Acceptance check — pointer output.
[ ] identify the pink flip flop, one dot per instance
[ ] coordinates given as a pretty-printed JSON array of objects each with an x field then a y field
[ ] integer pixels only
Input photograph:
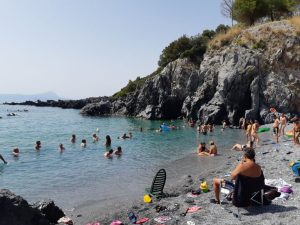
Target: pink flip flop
[
  {"x": 193, "y": 209},
  {"x": 143, "y": 220}
]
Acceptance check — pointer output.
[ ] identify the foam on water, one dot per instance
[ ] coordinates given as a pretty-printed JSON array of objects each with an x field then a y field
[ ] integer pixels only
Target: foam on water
[{"x": 80, "y": 175}]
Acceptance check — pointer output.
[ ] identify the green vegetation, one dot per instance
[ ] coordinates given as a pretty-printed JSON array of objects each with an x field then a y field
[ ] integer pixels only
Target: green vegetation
[
  {"x": 192, "y": 48},
  {"x": 249, "y": 11},
  {"x": 244, "y": 12}
]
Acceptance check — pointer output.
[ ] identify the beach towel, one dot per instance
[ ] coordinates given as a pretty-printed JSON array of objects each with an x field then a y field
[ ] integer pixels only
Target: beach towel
[
  {"x": 279, "y": 183},
  {"x": 143, "y": 220},
  {"x": 65, "y": 220}
]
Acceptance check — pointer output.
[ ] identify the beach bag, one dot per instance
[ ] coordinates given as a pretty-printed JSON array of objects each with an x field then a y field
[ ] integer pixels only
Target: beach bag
[{"x": 295, "y": 166}]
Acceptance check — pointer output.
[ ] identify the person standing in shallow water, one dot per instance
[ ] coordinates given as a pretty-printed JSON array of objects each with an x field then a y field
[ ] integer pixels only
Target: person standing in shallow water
[
  {"x": 254, "y": 134},
  {"x": 107, "y": 141},
  {"x": 73, "y": 138}
]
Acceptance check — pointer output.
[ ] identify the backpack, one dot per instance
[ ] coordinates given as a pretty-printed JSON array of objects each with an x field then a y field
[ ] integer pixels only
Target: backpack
[{"x": 296, "y": 168}]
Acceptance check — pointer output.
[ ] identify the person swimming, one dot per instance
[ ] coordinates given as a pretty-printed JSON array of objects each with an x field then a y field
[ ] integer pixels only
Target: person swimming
[
  {"x": 119, "y": 151},
  {"x": 16, "y": 152},
  {"x": 1, "y": 157},
  {"x": 38, "y": 145},
  {"x": 73, "y": 138},
  {"x": 83, "y": 143},
  {"x": 124, "y": 136},
  {"x": 95, "y": 138},
  {"x": 61, "y": 147},
  {"x": 109, "y": 154}
]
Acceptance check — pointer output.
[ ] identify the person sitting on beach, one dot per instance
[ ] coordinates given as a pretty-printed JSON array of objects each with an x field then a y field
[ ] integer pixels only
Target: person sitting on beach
[
  {"x": 254, "y": 134},
  {"x": 1, "y": 157},
  {"x": 15, "y": 152},
  {"x": 239, "y": 147},
  {"x": 83, "y": 143},
  {"x": 107, "y": 141},
  {"x": 73, "y": 138},
  {"x": 283, "y": 123},
  {"x": 202, "y": 149},
  {"x": 118, "y": 152},
  {"x": 95, "y": 138},
  {"x": 212, "y": 150},
  {"x": 296, "y": 133},
  {"x": 247, "y": 167},
  {"x": 38, "y": 145},
  {"x": 61, "y": 147},
  {"x": 109, "y": 154}
]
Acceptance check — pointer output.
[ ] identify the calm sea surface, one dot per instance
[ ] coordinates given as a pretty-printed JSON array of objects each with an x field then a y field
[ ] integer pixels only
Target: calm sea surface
[{"x": 81, "y": 175}]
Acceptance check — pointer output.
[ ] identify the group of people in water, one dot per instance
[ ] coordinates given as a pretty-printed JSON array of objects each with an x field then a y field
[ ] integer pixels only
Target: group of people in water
[{"x": 109, "y": 151}]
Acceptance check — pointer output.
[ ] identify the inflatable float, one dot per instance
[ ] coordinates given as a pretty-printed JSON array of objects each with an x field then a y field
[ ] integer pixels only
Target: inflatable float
[
  {"x": 289, "y": 134},
  {"x": 263, "y": 129},
  {"x": 164, "y": 128}
]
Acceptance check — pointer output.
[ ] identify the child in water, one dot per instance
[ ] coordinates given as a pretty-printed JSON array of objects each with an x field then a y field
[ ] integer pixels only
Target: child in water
[{"x": 109, "y": 154}]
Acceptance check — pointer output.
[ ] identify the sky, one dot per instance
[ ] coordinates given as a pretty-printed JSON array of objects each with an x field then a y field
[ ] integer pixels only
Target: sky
[{"x": 84, "y": 48}]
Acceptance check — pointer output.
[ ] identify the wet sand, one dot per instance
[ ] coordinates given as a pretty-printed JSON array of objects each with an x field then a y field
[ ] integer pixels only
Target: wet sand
[{"x": 184, "y": 175}]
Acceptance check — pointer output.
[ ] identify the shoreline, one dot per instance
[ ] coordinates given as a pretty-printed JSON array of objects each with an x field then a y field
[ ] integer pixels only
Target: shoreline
[{"x": 274, "y": 165}]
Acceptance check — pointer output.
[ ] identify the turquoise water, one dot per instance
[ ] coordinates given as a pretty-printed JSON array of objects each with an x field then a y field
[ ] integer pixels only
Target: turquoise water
[{"x": 81, "y": 175}]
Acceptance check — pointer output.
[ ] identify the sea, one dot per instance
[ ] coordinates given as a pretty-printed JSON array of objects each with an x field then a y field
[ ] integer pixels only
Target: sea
[{"x": 78, "y": 175}]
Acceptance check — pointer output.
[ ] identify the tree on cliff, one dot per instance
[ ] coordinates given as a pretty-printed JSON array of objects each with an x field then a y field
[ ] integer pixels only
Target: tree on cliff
[
  {"x": 278, "y": 8},
  {"x": 227, "y": 9},
  {"x": 248, "y": 11},
  {"x": 174, "y": 50}
]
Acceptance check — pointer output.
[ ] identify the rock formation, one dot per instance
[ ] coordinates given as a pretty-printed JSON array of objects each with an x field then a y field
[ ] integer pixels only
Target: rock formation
[
  {"x": 14, "y": 210},
  {"x": 259, "y": 69}
]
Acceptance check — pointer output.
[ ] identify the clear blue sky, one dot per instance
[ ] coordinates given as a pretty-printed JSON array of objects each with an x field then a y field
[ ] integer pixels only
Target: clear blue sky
[{"x": 83, "y": 48}]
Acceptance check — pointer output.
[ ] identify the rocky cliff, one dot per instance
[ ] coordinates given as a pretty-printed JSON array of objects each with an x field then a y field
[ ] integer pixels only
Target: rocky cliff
[{"x": 258, "y": 69}]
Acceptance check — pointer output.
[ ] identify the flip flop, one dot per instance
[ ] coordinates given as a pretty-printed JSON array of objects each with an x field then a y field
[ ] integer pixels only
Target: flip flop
[
  {"x": 116, "y": 222},
  {"x": 143, "y": 220},
  {"x": 193, "y": 209},
  {"x": 162, "y": 219}
]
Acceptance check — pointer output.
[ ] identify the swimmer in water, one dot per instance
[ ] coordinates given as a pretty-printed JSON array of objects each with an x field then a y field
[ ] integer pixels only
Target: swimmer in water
[
  {"x": 95, "y": 138},
  {"x": 38, "y": 145},
  {"x": 61, "y": 147},
  {"x": 83, "y": 143},
  {"x": 73, "y": 138},
  {"x": 1, "y": 157},
  {"x": 107, "y": 141},
  {"x": 109, "y": 154},
  {"x": 118, "y": 152},
  {"x": 97, "y": 130},
  {"x": 15, "y": 152}
]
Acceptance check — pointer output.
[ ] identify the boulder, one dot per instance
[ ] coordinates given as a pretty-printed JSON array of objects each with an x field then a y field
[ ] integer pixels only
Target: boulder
[
  {"x": 49, "y": 210},
  {"x": 14, "y": 210}
]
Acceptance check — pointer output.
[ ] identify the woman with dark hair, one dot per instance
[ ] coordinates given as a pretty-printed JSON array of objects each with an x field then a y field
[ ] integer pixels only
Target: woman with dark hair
[{"x": 108, "y": 141}]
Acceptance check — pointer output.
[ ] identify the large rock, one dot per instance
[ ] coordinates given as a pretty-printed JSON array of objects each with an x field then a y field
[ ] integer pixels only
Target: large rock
[
  {"x": 14, "y": 210},
  {"x": 49, "y": 210},
  {"x": 97, "y": 109}
]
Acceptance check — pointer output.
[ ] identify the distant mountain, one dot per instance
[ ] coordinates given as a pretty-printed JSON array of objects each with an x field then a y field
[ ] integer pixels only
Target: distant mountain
[{"x": 21, "y": 98}]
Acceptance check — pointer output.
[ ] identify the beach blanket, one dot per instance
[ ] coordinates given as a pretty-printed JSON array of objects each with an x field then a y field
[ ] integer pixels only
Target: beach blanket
[{"x": 278, "y": 183}]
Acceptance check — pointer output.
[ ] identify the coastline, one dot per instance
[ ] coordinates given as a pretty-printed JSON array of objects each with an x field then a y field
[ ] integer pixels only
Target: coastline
[{"x": 274, "y": 165}]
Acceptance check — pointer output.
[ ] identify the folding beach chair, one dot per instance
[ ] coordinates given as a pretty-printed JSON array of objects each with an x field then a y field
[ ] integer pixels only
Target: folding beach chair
[
  {"x": 247, "y": 191},
  {"x": 158, "y": 184}
]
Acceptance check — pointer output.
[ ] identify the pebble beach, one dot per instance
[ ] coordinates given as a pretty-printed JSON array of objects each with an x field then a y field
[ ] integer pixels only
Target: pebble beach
[{"x": 185, "y": 175}]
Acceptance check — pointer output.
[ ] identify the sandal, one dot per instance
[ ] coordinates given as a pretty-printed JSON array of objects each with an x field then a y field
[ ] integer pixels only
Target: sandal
[{"x": 214, "y": 201}]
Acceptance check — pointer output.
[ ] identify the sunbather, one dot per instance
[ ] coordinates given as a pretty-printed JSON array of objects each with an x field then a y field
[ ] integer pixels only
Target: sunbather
[
  {"x": 247, "y": 167},
  {"x": 240, "y": 147}
]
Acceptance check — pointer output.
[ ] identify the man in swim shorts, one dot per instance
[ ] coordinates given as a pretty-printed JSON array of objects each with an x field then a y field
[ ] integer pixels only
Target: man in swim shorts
[
  {"x": 276, "y": 127},
  {"x": 247, "y": 167}
]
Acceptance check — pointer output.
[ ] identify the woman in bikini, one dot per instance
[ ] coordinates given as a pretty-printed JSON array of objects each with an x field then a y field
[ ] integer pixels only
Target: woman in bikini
[{"x": 254, "y": 134}]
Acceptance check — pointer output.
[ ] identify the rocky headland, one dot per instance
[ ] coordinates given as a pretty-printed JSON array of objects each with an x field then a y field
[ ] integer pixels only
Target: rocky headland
[{"x": 243, "y": 75}]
